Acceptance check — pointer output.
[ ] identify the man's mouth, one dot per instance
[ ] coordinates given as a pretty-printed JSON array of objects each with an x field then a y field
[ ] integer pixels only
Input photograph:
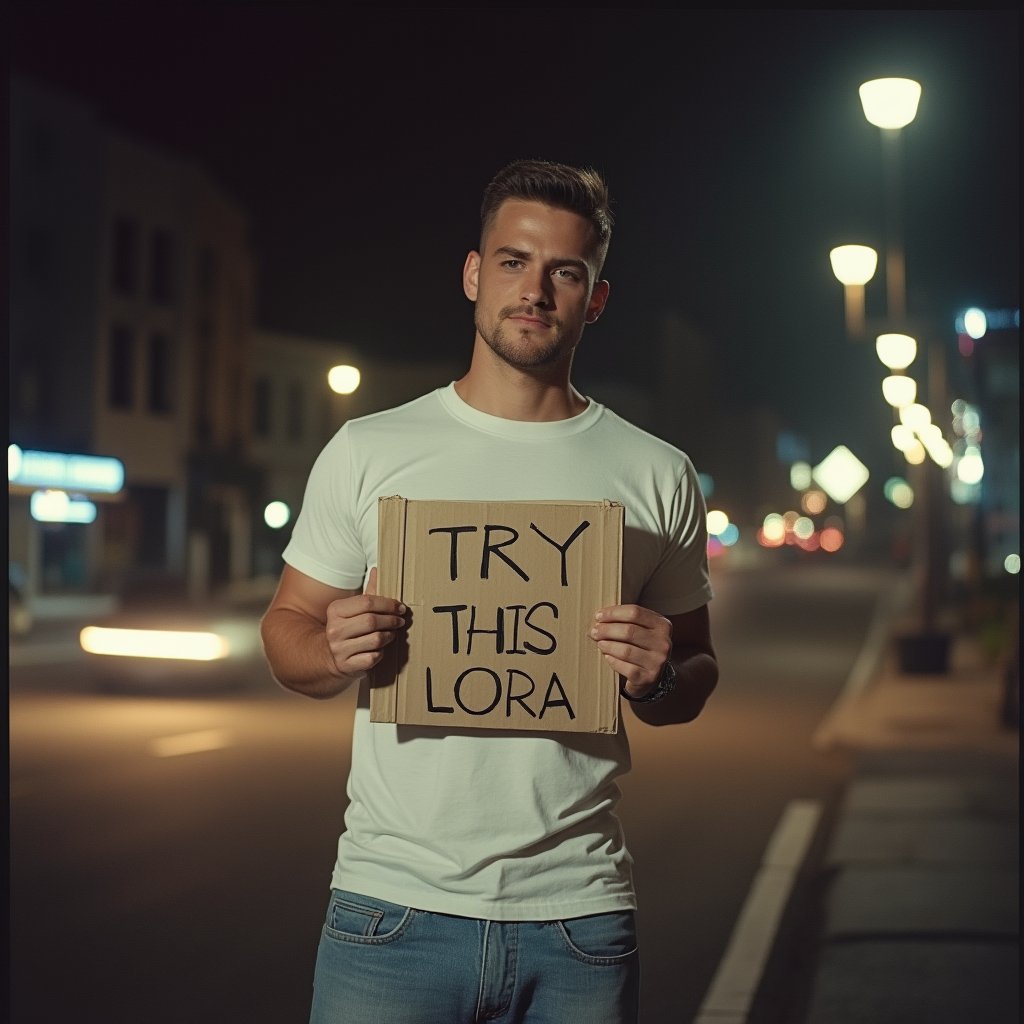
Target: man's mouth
[{"x": 528, "y": 318}]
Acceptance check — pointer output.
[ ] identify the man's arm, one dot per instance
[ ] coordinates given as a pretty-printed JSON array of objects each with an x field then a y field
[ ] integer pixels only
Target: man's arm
[
  {"x": 319, "y": 639},
  {"x": 637, "y": 642}
]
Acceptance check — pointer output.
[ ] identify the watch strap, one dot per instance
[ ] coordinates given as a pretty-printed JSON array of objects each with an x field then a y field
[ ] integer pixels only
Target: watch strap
[{"x": 665, "y": 685}]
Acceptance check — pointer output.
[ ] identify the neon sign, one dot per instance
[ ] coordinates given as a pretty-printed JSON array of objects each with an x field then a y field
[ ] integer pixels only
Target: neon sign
[{"x": 98, "y": 474}]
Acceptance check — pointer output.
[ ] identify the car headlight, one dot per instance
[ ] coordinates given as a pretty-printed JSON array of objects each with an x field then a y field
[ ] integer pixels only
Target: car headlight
[{"x": 154, "y": 643}]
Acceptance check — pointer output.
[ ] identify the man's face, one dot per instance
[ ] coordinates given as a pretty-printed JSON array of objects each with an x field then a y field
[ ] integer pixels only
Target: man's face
[{"x": 534, "y": 283}]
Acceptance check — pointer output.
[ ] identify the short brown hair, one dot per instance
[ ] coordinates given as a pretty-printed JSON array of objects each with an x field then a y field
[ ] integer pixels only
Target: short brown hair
[{"x": 580, "y": 190}]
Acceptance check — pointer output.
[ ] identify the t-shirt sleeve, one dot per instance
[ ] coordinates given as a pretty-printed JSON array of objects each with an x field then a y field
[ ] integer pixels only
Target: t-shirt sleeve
[
  {"x": 325, "y": 543},
  {"x": 681, "y": 581}
]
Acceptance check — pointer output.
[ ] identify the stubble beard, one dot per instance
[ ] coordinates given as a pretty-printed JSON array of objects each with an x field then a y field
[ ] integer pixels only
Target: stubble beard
[{"x": 509, "y": 343}]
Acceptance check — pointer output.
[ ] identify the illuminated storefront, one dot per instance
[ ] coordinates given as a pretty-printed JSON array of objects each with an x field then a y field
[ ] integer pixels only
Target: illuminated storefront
[{"x": 54, "y": 501}]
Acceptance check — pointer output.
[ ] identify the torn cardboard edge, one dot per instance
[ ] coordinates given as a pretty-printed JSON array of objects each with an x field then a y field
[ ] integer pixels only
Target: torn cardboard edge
[{"x": 501, "y": 598}]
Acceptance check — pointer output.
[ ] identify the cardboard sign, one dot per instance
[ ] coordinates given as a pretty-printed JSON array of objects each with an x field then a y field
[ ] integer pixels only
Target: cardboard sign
[{"x": 501, "y": 598}]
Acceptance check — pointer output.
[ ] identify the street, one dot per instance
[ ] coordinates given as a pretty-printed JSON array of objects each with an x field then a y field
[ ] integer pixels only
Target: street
[{"x": 171, "y": 855}]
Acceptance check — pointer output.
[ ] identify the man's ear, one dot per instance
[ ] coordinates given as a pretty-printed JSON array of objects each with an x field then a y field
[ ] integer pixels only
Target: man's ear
[
  {"x": 598, "y": 298},
  {"x": 471, "y": 276}
]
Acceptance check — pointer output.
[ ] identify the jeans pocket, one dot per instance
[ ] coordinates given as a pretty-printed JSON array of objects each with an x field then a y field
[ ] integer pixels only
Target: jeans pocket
[
  {"x": 601, "y": 938},
  {"x": 352, "y": 917}
]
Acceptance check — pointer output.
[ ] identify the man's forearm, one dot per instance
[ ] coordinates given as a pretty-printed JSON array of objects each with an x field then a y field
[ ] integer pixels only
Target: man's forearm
[
  {"x": 300, "y": 659},
  {"x": 696, "y": 679}
]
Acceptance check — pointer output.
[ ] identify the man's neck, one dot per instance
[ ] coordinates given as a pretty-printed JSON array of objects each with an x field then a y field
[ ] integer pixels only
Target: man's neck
[{"x": 539, "y": 395}]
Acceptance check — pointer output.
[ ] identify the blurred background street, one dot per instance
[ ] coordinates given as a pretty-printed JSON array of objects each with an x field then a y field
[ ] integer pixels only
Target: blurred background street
[
  {"x": 180, "y": 842},
  {"x": 236, "y": 227}
]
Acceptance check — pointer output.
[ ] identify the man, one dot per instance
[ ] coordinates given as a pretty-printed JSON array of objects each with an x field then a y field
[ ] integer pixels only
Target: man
[{"x": 482, "y": 875}]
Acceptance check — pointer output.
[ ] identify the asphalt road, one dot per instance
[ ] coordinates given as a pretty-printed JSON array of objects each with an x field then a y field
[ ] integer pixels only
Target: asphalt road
[{"x": 171, "y": 853}]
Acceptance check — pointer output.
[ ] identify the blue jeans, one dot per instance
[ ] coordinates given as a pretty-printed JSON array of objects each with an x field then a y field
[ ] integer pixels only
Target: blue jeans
[{"x": 381, "y": 963}]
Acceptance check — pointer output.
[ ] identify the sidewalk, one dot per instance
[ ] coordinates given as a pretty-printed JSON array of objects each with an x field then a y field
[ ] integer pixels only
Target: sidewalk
[{"x": 919, "y": 887}]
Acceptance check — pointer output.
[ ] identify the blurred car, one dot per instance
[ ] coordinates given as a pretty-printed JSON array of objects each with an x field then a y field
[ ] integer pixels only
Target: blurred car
[{"x": 158, "y": 639}]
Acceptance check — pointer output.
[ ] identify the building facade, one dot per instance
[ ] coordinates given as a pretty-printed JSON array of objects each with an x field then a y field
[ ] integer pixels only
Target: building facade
[{"x": 131, "y": 315}]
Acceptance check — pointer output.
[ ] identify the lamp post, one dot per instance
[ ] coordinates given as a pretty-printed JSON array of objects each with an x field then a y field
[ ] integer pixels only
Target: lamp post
[
  {"x": 854, "y": 266},
  {"x": 891, "y": 104}
]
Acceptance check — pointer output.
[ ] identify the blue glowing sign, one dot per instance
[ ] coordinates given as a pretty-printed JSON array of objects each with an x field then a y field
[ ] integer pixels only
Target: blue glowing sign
[
  {"x": 988, "y": 320},
  {"x": 98, "y": 474},
  {"x": 58, "y": 507}
]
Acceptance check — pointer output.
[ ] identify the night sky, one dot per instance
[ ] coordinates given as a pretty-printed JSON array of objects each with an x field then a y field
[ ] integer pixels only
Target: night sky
[{"x": 360, "y": 139}]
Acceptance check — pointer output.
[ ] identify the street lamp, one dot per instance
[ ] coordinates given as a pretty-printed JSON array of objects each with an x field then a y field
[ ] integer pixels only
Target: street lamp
[
  {"x": 899, "y": 390},
  {"x": 854, "y": 266},
  {"x": 897, "y": 351},
  {"x": 891, "y": 104}
]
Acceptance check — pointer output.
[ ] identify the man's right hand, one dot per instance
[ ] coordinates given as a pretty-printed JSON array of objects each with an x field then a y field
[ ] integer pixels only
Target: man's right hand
[
  {"x": 360, "y": 627},
  {"x": 318, "y": 639}
]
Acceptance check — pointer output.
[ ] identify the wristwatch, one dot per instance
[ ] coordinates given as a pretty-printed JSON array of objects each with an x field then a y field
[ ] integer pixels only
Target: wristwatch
[{"x": 665, "y": 685}]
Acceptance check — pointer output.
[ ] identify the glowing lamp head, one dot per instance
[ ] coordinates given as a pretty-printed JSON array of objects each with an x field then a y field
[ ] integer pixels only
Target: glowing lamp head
[
  {"x": 890, "y": 102},
  {"x": 915, "y": 416},
  {"x": 896, "y": 351},
  {"x": 343, "y": 380},
  {"x": 899, "y": 390},
  {"x": 853, "y": 264}
]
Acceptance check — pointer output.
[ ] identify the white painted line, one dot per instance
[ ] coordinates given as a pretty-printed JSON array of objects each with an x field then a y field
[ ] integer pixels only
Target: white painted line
[
  {"x": 189, "y": 743},
  {"x": 735, "y": 983}
]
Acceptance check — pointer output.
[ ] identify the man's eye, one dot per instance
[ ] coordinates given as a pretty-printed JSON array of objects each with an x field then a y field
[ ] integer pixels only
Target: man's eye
[
  {"x": 512, "y": 264},
  {"x": 567, "y": 275}
]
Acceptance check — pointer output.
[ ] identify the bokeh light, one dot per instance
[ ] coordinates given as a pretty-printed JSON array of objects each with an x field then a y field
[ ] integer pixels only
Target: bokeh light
[
  {"x": 343, "y": 379},
  {"x": 800, "y": 476},
  {"x": 970, "y": 468},
  {"x": 975, "y": 323},
  {"x": 814, "y": 502},
  {"x": 899, "y": 492},
  {"x": 717, "y": 521},
  {"x": 831, "y": 539},
  {"x": 276, "y": 514}
]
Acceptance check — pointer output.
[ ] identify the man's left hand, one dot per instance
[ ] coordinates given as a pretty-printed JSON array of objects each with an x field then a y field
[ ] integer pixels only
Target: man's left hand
[{"x": 636, "y": 642}]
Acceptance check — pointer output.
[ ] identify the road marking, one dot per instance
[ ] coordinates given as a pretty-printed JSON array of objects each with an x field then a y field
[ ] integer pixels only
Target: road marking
[
  {"x": 735, "y": 983},
  {"x": 189, "y": 743}
]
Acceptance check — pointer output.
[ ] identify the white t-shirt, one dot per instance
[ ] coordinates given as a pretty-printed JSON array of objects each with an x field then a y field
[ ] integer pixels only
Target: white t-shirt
[{"x": 487, "y": 823}]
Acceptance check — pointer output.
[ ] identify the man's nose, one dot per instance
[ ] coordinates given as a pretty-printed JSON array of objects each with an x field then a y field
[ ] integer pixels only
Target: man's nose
[{"x": 536, "y": 289}]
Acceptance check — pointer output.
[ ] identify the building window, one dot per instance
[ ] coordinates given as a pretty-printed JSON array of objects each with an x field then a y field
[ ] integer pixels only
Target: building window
[
  {"x": 161, "y": 374},
  {"x": 261, "y": 415},
  {"x": 161, "y": 267},
  {"x": 125, "y": 268},
  {"x": 296, "y": 427},
  {"x": 121, "y": 372}
]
